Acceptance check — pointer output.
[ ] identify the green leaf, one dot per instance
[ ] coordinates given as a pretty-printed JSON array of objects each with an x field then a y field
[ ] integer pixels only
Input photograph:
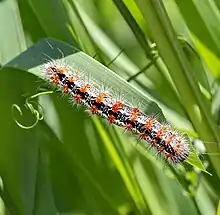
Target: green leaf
[
  {"x": 19, "y": 148},
  {"x": 82, "y": 63},
  {"x": 200, "y": 18},
  {"x": 180, "y": 70},
  {"x": 12, "y": 40}
]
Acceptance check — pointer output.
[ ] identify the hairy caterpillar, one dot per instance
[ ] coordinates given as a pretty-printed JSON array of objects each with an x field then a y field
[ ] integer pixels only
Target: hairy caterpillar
[{"x": 167, "y": 141}]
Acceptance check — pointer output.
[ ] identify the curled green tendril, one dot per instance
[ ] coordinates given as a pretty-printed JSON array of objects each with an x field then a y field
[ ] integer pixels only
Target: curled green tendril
[{"x": 29, "y": 105}]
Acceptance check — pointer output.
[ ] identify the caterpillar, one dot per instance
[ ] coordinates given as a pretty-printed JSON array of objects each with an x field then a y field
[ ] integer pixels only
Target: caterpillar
[{"x": 168, "y": 142}]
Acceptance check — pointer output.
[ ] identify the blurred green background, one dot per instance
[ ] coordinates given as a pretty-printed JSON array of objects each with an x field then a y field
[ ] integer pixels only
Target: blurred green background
[{"x": 69, "y": 163}]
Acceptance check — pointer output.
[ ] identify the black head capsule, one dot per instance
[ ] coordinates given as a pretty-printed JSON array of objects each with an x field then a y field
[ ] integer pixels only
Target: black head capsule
[{"x": 53, "y": 69}]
